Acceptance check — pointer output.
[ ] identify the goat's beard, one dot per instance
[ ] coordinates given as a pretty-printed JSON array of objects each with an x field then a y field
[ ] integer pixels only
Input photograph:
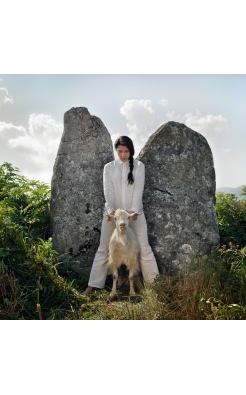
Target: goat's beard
[{"x": 122, "y": 229}]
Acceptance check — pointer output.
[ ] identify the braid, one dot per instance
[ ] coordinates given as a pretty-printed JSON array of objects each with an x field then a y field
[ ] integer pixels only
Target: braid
[
  {"x": 126, "y": 141},
  {"x": 130, "y": 175}
]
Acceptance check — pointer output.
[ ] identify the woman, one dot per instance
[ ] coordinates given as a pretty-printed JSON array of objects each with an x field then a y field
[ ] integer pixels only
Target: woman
[{"x": 123, "y": 183}]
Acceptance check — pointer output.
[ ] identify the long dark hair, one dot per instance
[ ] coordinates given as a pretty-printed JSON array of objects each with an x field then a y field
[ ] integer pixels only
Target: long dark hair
[{"x": 126, "y": 141}]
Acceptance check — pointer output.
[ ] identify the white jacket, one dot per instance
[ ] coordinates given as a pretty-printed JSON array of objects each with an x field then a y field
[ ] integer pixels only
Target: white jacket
[{"x": 117, "y": 192}]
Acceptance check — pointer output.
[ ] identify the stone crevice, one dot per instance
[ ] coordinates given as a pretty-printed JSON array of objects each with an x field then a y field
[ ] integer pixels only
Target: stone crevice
[{"x": 163, "y": 191}]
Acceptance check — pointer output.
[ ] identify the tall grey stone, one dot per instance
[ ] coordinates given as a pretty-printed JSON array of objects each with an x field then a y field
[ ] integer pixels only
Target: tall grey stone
[
  {"x": 179, "y": 194},
  {"x": 77, "y": 199}
]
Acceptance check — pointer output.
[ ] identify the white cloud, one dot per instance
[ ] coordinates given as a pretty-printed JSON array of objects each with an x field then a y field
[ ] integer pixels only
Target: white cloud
[
  {"x": 5, "y": 97},
  {"x": 41, "y": 125},
  {"x": 32, "y": 151},
  {"x": 171, "y": 116},
  {"x": 140, "y": 116},
  {"x": 8, "y": 130},
  {"x": 139, "y": 113},
  {"x": 163, "y": 103},
  {"x": 210, "y": 126}
]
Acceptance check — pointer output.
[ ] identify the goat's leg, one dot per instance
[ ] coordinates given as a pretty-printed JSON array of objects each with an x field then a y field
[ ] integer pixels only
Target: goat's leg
[
  {"x": 131, "y": 276},
  {"x": 115, "y": 278},
  {"x": 120, "y": 276}
]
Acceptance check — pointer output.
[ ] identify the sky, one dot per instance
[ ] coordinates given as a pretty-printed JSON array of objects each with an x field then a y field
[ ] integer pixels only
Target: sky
[{"x": 32, "y": 107}]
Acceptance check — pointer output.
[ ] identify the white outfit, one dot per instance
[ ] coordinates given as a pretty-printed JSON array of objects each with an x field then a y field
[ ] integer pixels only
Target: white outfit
[{"x": 118, "y": 194}]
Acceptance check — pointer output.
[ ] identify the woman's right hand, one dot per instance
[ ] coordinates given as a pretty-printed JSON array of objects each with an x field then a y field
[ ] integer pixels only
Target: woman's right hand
[{"x": 112, "y": 213}]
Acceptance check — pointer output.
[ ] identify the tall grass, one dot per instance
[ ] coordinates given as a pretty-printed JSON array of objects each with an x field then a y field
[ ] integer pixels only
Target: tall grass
[
  {"x": 211, "y": 288},
  {"x": 31, "y": 287}
]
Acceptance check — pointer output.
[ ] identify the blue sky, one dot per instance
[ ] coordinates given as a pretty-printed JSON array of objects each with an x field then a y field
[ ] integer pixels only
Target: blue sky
[{"x": 32, "y": 108}]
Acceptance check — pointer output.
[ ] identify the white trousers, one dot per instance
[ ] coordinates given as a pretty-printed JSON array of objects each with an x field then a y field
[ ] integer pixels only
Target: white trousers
[{"x": 148, "y": 263}]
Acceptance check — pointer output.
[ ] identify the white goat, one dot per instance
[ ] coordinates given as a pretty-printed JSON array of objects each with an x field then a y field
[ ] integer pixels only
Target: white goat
[{"x": 123, "y": 248}]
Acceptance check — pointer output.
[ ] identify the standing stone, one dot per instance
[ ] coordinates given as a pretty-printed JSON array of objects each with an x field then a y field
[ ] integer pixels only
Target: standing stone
[
  {"x": 77, "y": 199},
  {"x": 179, "y": 195}
]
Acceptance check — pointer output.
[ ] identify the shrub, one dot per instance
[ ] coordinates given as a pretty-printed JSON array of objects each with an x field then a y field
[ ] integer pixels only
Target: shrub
[
  {"x": 24, "y": 202},
  {"x": 30, "y": 285},
  {"x": 231, "y": 215}
]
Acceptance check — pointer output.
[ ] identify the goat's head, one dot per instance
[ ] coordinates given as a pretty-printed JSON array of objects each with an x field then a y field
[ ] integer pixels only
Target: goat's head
[{"x": 121, "y": 218}]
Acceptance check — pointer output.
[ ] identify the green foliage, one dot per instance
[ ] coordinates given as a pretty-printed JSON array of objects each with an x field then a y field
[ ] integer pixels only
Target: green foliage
[
  {"x": 31, "y": 288},
  {"x": 243, "y": 190},
  {"x": 23, "y": 202},
  {"x": 231, "y": 215},
  {"x": 30, "y": 284}
]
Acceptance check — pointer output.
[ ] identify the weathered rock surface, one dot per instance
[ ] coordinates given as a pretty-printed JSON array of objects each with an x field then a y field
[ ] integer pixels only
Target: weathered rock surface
[
  {"x": 179, "y": 194},
  {"x": 77, "y": 187}
]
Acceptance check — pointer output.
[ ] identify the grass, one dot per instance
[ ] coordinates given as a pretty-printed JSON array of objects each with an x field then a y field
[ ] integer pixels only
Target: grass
[
  {"x": 40, "y": 287},
  {"x": 211, "y": 288}
]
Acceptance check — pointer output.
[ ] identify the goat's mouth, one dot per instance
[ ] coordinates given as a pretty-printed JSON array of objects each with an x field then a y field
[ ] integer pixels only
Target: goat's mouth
[{"x": 122, "y": 228}]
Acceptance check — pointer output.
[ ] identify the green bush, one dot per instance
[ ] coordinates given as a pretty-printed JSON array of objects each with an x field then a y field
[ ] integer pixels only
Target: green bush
[
  {"x": 24, "y": 202},
  {"x": 30, "y": 285},
  {"x": 231, "y": 214}
]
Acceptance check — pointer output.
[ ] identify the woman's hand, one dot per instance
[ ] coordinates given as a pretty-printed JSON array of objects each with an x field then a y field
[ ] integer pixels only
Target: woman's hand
[
  {"x": 109, "y": 219},
  {"x": 135, "y": 217}
]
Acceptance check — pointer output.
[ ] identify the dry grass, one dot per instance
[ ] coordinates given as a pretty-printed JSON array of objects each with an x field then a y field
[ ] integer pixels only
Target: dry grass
[
  {"x": 211, "y": 288},
  {"x": 205, "y": 289}
]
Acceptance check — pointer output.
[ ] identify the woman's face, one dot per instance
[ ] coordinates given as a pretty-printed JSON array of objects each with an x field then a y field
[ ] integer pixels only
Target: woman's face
[{"x": 123, "y": 153}]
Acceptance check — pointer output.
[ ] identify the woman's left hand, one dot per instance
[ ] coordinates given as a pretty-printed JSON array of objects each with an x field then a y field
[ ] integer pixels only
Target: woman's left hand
[{"x": 135, "y": 217}]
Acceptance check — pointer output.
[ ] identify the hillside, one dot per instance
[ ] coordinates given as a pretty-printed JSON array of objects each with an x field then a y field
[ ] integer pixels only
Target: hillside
[{"x": 236, "y": 191}]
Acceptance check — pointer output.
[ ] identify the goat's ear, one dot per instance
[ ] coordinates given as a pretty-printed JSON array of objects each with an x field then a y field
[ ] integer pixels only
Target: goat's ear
[{"x": 110, "y": 217}]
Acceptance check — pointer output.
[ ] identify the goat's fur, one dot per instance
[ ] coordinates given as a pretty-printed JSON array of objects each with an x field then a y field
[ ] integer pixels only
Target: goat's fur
[{"x": 123, "y": 249}]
